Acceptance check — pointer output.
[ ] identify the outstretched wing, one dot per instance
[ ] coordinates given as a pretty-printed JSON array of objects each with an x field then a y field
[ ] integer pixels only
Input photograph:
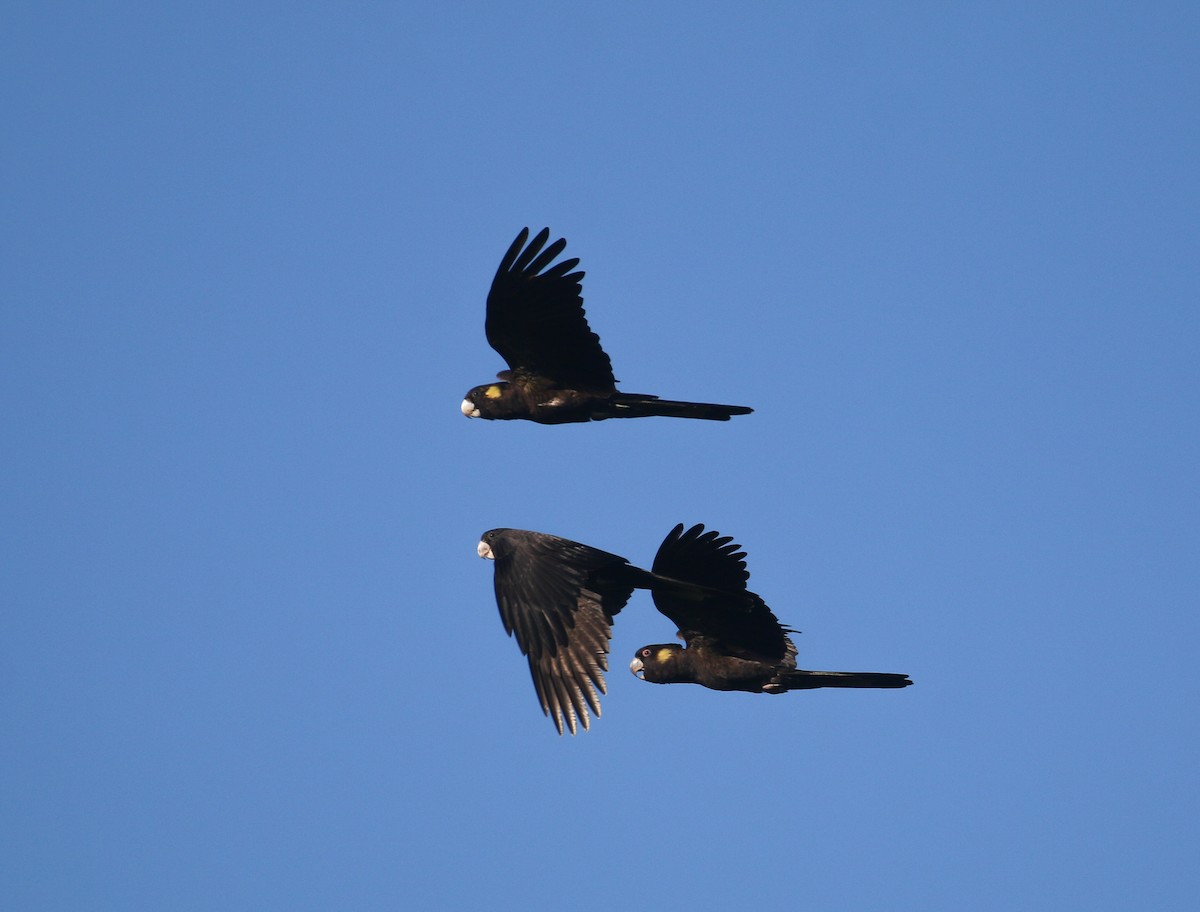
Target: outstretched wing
[
  {"x": 535, "y": 318},
  {"x": 728, "y": 618},
  {"x": 561, "y": 620}
]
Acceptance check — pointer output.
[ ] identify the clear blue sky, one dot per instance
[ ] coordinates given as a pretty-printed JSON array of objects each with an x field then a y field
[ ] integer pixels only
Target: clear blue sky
[{"x": 250, "y": 660}]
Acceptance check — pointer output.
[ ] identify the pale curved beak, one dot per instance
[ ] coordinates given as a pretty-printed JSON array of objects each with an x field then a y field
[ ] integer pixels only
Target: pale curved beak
[
  {"x": 484, "y": 550},
  {"x": 468, "y": 409},
  {"x": 636, "y": 667}
]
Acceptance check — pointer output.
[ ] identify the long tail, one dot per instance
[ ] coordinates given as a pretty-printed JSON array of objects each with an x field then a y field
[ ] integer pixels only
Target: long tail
[
  {"x": 683, "y": 591},
  {"x": 807, "y": 680},
  {"x": 637, "y": 405}
]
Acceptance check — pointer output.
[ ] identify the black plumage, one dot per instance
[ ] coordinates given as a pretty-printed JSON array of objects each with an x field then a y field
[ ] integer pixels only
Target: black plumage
[
  {"x": 726, "y": 646},
  {"x": 557, "y": 371},
  {"x": 558, "y": 598}
]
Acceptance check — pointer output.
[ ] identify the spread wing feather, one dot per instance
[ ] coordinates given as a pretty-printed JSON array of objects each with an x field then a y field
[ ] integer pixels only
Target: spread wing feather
[
  {"x": 536, "y": 320},
  {"x": 561, "y": 622},
  {"x": 728, "y": 618}
]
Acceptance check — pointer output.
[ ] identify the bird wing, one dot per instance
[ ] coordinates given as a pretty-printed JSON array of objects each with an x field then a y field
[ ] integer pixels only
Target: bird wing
[
  {"x": 727, "y": 616},
  {"x": 569, "y": 681},
  {"x": 536, "y": 321},
  {"x": 560, "y": 619}
]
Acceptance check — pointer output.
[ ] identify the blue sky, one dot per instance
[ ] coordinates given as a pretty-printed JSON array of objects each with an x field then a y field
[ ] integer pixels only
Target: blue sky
[{"x": 947, "y": 251}]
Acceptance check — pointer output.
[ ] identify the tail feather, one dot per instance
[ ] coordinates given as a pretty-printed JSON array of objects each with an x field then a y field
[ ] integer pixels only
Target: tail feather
[
  {"x": 808, "y": 680},
  {"x": 637, "y": 405},
  {"x": 684, "y": 590}
]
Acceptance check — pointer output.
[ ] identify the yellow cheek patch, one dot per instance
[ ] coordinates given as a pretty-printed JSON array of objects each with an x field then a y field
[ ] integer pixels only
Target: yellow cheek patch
[
  {"x": 492, "y": 392},
  {"x": 663, "y": 654}
]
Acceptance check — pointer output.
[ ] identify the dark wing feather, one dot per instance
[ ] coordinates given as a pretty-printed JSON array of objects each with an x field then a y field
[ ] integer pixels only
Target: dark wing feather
[
  {"x": 543, "y": 589},
  {"x": 569, "y": 681},
  {"x": 729, "y": 618},
  {"x": 536, "y": 321}
]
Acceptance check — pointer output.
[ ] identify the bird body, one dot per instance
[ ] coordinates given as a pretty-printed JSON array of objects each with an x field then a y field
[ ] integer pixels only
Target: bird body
[
  {"x": 700, "y": 663},
  {"x": 547, "y": 404},
  {"x": 558, "y": 373}
]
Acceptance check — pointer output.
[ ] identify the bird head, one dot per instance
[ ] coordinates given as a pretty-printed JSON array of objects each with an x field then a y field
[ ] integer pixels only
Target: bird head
[
  {"x": 656, "y": 664},
  {"x": 479, "y": 400},
  {"x": 488, "y": 542}
]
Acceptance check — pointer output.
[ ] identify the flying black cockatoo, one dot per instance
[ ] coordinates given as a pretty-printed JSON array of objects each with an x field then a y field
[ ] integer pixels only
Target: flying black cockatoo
[
  {"x": 558, "y": 373},
  {"x": 728, "y": 647},
  {"x": 559, "y": 598}
]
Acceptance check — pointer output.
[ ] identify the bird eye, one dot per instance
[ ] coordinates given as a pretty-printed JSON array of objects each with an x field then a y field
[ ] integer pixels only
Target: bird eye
[{"x": 645, "y": 653}]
